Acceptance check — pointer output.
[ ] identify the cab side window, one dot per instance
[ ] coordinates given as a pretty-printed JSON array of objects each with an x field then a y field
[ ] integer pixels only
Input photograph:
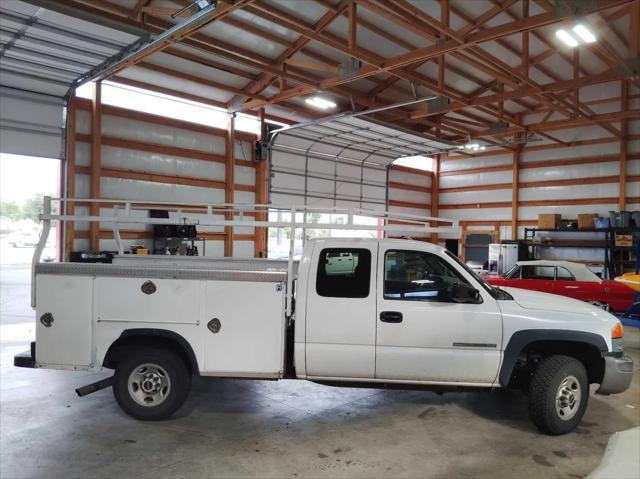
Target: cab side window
[
  {"x": 344, "y": 273},
  {"x": 418, "y": 276},
  {"x": 539, "y": 272}
]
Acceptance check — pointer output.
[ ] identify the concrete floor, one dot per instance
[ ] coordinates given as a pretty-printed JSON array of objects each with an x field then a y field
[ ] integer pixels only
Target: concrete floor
[{"x": 233, "y": 428}]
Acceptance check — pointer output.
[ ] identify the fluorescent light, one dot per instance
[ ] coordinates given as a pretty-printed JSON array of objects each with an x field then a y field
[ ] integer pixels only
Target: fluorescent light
[
  {"x": 567, "y": 38},
  {"x": 584, "y": 33},
  {"x": 319, "y": 102}
]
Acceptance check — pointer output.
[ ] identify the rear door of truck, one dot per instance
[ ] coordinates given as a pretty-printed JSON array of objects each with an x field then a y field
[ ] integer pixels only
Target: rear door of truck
[{"x": 341, "y": 311}]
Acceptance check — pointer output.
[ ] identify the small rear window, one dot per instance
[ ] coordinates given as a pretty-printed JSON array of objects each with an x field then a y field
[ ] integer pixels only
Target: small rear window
[{"x": 344, "y": 273}]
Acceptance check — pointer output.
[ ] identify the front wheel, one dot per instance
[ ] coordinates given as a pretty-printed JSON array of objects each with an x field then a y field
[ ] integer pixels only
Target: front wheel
[
  {"x": 151, "y": 383},
  {"x": 558, "y": 394}
]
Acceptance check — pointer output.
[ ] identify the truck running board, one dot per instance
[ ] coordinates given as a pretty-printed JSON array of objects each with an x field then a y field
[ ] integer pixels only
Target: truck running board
[{"x": 93, "y": 387}]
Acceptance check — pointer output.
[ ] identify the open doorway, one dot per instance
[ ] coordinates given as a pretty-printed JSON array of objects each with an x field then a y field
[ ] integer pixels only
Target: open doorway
[{"x": 24, "y": 181}]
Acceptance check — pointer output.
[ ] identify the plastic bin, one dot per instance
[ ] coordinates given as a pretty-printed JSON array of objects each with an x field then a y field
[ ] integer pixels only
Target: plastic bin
[
  {"x": 636, "y": 218},
  {"x": 601, "y": 223},
  {"x": 620, "y": 219}
]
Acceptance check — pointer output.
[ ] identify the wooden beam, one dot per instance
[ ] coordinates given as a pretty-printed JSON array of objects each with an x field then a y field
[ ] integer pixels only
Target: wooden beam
[
  {"x": 515, "y": 192},
  {"x": 353, "y": 25},
  {"x": 262, "y": 193},
  {"x": 127, "y": 174},
  {"x": 406, "y": 186},
  {"x": 624, "y": 145},
  {"x": 435, "y": 191},
  {"x": 96, "y": 163},
  {"x": 70, "y": 174},
  {"x": 229, "y": 181}
]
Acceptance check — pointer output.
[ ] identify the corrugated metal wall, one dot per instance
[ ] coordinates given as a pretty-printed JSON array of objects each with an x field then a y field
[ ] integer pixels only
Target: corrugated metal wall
[
  {"x": 583, "y": 178},
  {"x": 145, "y": 157}
]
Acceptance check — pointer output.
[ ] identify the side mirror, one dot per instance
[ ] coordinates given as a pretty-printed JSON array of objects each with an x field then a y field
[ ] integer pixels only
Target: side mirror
[{"x": 461, "y": 293}]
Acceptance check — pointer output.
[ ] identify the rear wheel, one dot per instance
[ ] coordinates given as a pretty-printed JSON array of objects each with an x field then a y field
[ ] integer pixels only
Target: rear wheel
[
  {"x": 151, "y": 383},
  {"x": 558, "y": 394}
]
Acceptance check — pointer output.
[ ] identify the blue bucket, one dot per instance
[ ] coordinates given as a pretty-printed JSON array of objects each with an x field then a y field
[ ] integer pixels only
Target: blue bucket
[{"x": 601, "y": 223}]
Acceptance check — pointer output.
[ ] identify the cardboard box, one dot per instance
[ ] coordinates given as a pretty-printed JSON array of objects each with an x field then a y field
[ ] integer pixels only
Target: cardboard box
[
  {"x": 548, "y": 221},
  {"x": 586, "y": 221},
  {"x": 624, "y": 240}
]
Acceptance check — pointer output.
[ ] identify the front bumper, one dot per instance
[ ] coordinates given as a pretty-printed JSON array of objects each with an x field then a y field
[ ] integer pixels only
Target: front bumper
[
  {"x": 617, "y": 375},
  {"x": 26, "y": 359}
]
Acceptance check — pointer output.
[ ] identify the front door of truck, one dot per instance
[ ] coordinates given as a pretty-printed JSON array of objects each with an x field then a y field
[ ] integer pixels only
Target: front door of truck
[
  {"x": 341, "y": 310},
  {"x": 423, "y": 334}
]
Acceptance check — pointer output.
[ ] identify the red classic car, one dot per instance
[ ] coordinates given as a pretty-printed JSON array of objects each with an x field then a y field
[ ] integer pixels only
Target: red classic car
[{"x": 565, "y": 278}]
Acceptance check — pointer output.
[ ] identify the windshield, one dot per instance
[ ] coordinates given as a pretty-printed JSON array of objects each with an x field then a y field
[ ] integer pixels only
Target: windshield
[{"x": 495, "y": 293}]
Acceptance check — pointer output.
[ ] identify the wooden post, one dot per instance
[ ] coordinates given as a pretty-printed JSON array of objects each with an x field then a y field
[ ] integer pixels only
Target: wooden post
[
  {"x": 435, "y": 192},
  {"x": 96, "y": 164},
  {"x": 624, "y": 127},
  {"x": 229, "y": 181},
  {"x": 515, "y": 190},
  {"x": 262, "y": 193},
  {"x": 353, "y": 19},
  {"x": 70, "y": 175}
]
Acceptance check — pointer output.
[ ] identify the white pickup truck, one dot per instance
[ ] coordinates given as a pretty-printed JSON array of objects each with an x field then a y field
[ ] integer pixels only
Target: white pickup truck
[{"x": 405, "y": 313}]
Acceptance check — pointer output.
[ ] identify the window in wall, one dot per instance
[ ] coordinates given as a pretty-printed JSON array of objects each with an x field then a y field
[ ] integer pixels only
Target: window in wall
[
  {"x": 538, "y": 272},
  {"x": 344, "y": 273},
  {"x": 418, "y": 276},
  {"x": 147, "y": 101}
]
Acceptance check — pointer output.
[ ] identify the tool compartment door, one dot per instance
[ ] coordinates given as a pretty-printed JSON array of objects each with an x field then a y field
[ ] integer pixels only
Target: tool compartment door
[
  {"x": 69, "y": 301},
  {"x": 244, "y": 328}
]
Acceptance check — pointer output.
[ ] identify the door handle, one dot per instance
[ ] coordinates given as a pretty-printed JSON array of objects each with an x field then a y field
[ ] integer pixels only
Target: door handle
[{"x": 391, "y": 317}]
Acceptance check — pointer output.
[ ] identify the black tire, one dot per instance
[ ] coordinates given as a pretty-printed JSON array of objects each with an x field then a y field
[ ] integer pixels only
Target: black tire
[
  {"x": 166, "y": 374},
  {"x": 545, "y": 409}
]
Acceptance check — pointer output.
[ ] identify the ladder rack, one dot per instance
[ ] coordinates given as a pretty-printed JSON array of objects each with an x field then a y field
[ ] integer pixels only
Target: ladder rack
[{"x": 235, "y": 214}]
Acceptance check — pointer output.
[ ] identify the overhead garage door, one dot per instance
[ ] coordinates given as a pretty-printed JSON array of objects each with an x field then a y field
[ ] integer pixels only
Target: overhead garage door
[
  {"x": 30, "y": 124},
  {"x": 341, "y": 161}
]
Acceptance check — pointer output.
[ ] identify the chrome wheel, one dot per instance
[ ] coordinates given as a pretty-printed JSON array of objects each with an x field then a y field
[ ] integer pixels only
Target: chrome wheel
[
  {"x": 149, "y": 385},
  {"x": 568, "y": 398}
]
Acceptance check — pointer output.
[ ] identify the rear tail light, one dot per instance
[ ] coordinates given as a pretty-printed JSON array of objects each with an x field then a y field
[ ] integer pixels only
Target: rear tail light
[{"x": 617, "y": 332}]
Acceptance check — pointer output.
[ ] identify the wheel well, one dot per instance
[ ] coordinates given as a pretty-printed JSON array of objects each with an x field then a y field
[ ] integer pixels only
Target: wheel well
[
  {"x": 588, "y": 354},
  {"x": 154, "y": 338}
]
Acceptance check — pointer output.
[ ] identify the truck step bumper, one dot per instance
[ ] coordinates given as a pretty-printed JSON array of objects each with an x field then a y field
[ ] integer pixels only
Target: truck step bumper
[
  {"x": 617, "y": 375},
  {"x": 26, "y": 359}
]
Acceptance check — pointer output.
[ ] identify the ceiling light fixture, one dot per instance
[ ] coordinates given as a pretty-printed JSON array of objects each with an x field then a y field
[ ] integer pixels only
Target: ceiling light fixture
[
  {"x": 567, "y": 38},
  {"x": 319, "y": 102},
  {"x": 581, "y": 35},
  {"x": 472, "y": 147},
  {"x": 584, "y": 33}
]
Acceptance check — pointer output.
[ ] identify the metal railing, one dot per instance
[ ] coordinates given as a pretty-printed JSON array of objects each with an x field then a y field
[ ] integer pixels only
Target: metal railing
[{"x": 234, "y": 215}]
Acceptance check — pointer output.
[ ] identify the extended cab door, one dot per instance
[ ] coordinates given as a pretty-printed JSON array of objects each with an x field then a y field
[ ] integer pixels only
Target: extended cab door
[
  {"x": 535, "y": 277},
  {"x": 341, "y": 311},
  {"x": 422, "y": 333}
]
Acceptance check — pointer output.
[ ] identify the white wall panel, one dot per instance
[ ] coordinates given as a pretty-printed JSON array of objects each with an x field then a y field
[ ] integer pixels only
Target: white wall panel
[
  {"x": 130, "y": 129},
  {"x": 145, "y": 161},
  {"x": 82, "y": 186},
  {"x": 408, "y": 195},
  {"x": 476, "y": 162},
  {"x": 117, "y": 188},
  {"x": 83, "y": 153},
  {"x": 409, "y": 178},
  {"x": 633, "y": 188},
  {"x": 242, "y": 249},
  {"x": 592, "y": 170},
  {"x": 633, "y": 146},
  {"x": 477, "y": 214},
  {"x": 476, "y": 179},
  {"x": 583, "y": 151},
  {"x": 607, "y": 190},
  {"x": 475, "y": 196},
  {"x": 83, "y": 121},
  {"x": 633, "y": 167}
]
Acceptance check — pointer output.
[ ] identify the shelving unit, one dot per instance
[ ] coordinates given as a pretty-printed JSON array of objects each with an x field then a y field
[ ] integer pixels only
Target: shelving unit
[
  {"x": 617, "y": 259},
  {"x": 160, "y": 242}
]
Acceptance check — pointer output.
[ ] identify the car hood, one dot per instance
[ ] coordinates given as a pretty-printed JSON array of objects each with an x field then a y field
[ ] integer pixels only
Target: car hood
[{"x": 550, "y": 302}]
